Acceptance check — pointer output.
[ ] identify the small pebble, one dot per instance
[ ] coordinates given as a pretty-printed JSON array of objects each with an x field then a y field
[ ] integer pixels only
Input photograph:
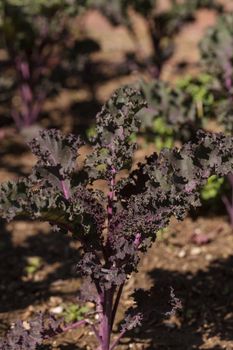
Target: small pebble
[
  {"x": 182, "y": 254},
  {"x": 195, "y": 251},
  {"x": 209, "y": 257},
  {"x": 197, "y": 231},
  {"x": 55, "y": 301},
  {"x": 26, "y": 325},
  {"x": 170, "y": 325},
  {"x": 57, "y": 310}
]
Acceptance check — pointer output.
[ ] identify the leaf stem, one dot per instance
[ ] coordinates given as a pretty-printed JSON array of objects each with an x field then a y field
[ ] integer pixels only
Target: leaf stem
[
  {"x": 116, "y": 341},
  {"x": 80, "y": 323}
]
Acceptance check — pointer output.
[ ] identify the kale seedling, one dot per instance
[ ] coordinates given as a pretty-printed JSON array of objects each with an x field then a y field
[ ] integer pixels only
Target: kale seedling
[
  {"x": 74, "y": 312},
  {"x": 115, "y": 228}
]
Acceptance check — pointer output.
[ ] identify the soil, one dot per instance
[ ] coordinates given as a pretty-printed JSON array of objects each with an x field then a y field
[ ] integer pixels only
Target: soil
[{"x": 200, "y": 270}]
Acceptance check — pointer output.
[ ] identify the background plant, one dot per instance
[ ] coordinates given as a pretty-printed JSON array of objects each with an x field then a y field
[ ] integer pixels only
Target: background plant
[
  {"x": 42, "y": 54},
  {"x": 163, "y": 25},
  {"x": 172, "y": 114},
  {"x": 216, "y": 52},
  {"x": 74, "y": 312}
]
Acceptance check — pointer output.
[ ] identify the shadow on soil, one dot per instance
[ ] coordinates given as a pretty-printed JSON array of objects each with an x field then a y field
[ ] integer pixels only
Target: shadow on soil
[
  {"x": 61, "y": 347},
  {"x": 207, "y": 299},
  {"x": 207, "y": 296},
  {"x": 53, "y": 248}
]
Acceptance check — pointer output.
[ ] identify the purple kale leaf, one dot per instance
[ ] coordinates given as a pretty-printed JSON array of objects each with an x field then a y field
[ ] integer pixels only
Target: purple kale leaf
[
  {"x": 56, "y": 156},
  {"x": 29, "y": 335},
  {"x": 131, "y": 321},
  {"x": 116, "y": 123},
  {"x": 175, "y": 302},
  {"x": 168, "y": 185},
  {"x": 48, "y": 194}
]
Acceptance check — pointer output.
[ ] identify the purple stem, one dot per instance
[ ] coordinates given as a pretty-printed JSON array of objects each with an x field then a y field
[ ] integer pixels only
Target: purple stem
[
  {"x": 25, "y": 114},
  {"x": 36, "y": 109},
  {"x": 65, "y": 190},
  {"x": 74, "y": 325},
  {"x": 80, "y": 323},
  {"x": 111, "y": 193},
  {"x": 32, "y": 104},
  {"x": 105, "y": 325},
  {"x": 229, "y": 207},
  {"x": 24, "y": 69},
  {"x": 228, "y": 83},
  {"x": 228, "y": 75},
  {"x": 31, "y": 101},
  {"x": 16, "y": 117},
  {"x": 26, "y": 92},
  {"x": 138, "y": 239},
  {"x": 230, "y": 179},
  {"x": 116, "y": 341}
]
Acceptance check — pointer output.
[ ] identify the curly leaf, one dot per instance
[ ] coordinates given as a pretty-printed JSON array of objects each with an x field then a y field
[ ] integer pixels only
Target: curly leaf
[{"x": 116, "y": 124}]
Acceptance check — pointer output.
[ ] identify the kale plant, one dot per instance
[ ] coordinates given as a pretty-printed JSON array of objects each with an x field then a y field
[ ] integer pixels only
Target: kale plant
[
  {"x": 201, "y": 90},
  {"x": 163, "y": 26},
  {"x": 117, "y": 226},
  {"x": 42, "y": 52},
  {"x": 174, "y": 115},
  {"x": 171, "y": 114},
  {"x": 117, "y": 11},
  {"x": 217, "y": 56}
]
